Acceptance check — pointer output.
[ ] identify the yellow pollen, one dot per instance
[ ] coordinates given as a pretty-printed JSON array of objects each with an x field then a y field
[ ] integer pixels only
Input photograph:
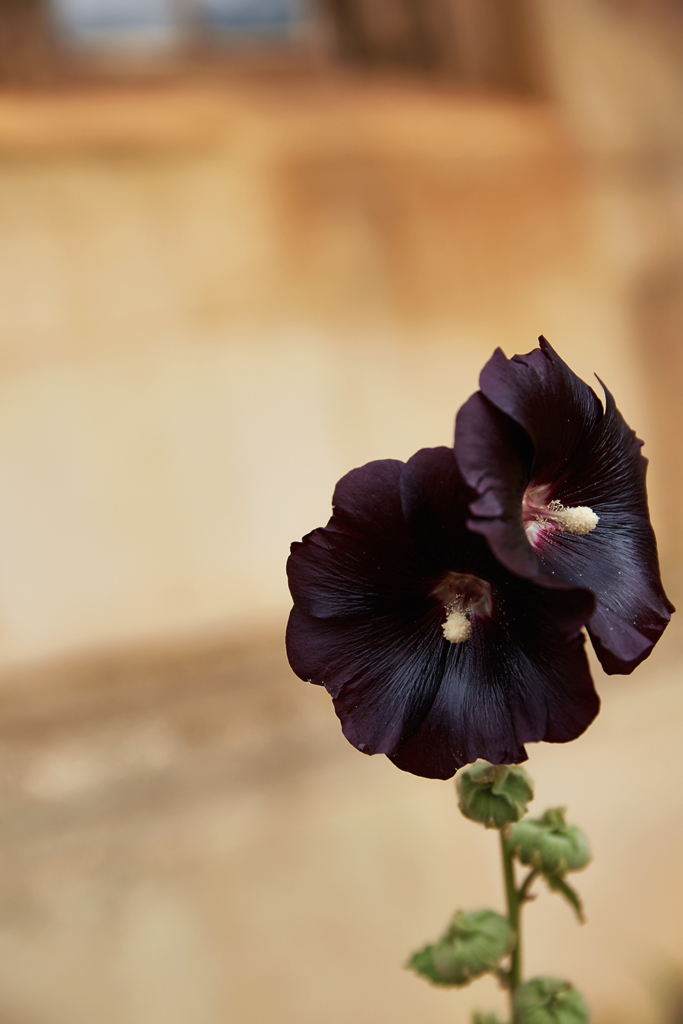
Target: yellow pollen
[
  {"x": 457, "y": 626},
  {"x": 579, "y": 520}
]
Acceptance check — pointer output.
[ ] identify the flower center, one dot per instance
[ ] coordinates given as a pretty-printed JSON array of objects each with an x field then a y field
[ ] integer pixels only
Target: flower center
[
  {"x": 462, "y": 595},
  {"x": 540, "y": 515}
]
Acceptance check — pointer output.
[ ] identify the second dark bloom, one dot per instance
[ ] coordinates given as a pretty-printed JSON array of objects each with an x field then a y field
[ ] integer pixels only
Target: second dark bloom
[{"x": 559, "y": 494}]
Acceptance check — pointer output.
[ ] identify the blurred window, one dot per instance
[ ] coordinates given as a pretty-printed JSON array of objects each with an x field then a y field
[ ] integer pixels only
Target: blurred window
[
  {"x": 482, "y": 44},
  {"x": 97, "y": 19},
  {"x": 252, "y": 15},
  {"x": 101, "y": 19}
]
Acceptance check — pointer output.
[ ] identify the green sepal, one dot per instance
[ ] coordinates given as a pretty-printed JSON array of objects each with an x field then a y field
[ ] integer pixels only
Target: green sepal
[
  {"x": 559, "y": 885},
  {"x": 422, "y": 963},
  {"x": 473, "y": 944},
  {"x": 549, "y": 1001},
  {"x": 495, "y": 795},
  {"x": 486, "y": 1018},
  {"x": 549, "y": 844}
]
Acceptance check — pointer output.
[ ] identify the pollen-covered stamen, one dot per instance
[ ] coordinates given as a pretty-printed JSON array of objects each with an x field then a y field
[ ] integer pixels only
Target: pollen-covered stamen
[
  {"x": 579, "y": 520},
  {"x": 539, "y": 515},
  {"x": 457, "y": 626},
  {"x": 462, "y": 596}
]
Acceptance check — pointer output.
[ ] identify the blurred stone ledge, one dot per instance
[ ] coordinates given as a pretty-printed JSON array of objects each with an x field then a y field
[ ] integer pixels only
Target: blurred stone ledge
[
  {"x": 125, "y": 740},
  {"x": 315, "y": 110},
  {"x": 109, "y": 121},
  {"x": 111, "y": 749}
]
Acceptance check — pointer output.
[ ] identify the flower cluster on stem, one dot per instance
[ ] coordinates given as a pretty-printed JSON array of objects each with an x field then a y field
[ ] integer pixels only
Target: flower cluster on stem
[{"x": 445, "y": 608}]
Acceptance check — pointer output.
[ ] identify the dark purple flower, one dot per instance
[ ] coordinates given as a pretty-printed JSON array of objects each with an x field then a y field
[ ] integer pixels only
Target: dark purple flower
[
  {"x": 433, "y": 652},
  {"x": 560, "y": 496}
]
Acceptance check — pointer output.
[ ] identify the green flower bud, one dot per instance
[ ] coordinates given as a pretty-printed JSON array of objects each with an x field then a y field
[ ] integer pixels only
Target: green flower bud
[
  {"x": 493, "y": 794},
  {"x": 473, "y": 944},
  {"x": 486, "y": 1018},
  {"x": 549, "y": 844},
  {"x": 550, "y": 1001}
]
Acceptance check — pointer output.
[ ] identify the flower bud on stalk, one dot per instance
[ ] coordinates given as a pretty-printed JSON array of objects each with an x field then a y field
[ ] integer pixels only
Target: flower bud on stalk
[
  {"x": 550, "y": 1001},
  {"x": 549, "y": 844},
  {"x": 473, "y": 944},
  {"x": 494, "y": 794}
]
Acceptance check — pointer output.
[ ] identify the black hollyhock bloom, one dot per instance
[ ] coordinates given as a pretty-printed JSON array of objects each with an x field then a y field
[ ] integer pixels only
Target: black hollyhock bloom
[
  {"x": 560, "y": 496},
  {"x": 434, "y": 653}
]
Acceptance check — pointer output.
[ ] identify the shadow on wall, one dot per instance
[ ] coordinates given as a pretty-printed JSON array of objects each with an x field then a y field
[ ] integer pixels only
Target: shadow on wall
[
  {"x": 482, "y": 43},
  {"x": 27, "y": 44}
]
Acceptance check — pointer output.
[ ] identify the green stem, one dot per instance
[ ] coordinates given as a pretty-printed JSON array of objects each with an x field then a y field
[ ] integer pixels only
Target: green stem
[{"x": 513, "y": 905}]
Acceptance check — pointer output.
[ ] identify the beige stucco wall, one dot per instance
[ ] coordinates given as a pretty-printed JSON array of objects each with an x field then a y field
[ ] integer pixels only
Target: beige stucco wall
[{"x": 215, "y": 301}]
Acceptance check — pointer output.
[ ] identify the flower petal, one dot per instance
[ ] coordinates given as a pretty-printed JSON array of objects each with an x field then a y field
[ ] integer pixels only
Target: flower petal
[
  {"x": 363, "y": 562},
  {"x": 495, "y": 455},
  {"x": 435, "y": 508},
  {"x": 540, "y": 393},
  {"x": 581, "y": 456},
  {"x": 383, "y": 673},
  {"x": 521, "y": 680}
]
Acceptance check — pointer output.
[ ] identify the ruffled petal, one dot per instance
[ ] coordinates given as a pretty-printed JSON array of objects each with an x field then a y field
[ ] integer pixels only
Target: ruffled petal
[
  {"x": 435, "y": 508},
  {"x": 618, "y": 561},
  {"x": 518, "y": 680},
  {"x": 495, "y": 456},
  {"x": 582, "y": 456},
  {"x": 540, "y": 393},
  {"x": 363, "y": 563},
  {"x": 383, "y": 673}
]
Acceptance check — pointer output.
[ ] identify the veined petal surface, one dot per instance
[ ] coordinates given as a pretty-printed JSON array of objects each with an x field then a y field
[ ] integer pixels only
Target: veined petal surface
[
  {"x": 536, "y": 429},
  {"x": 371, "y": 595}
]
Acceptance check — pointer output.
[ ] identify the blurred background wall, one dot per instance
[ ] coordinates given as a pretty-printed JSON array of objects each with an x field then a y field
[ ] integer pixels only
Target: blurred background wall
[{"x": 246, "y": 245}]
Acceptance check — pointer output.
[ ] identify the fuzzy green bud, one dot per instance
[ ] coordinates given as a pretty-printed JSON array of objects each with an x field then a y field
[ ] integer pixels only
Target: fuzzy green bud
[
  {"x": 549, "y": 844},
  {"x": 473, "y": 944},
  {"x": 550, "y": 1001},
  {"x": 493, "y": 794},
  {"x": 486, "y": 1018}
]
